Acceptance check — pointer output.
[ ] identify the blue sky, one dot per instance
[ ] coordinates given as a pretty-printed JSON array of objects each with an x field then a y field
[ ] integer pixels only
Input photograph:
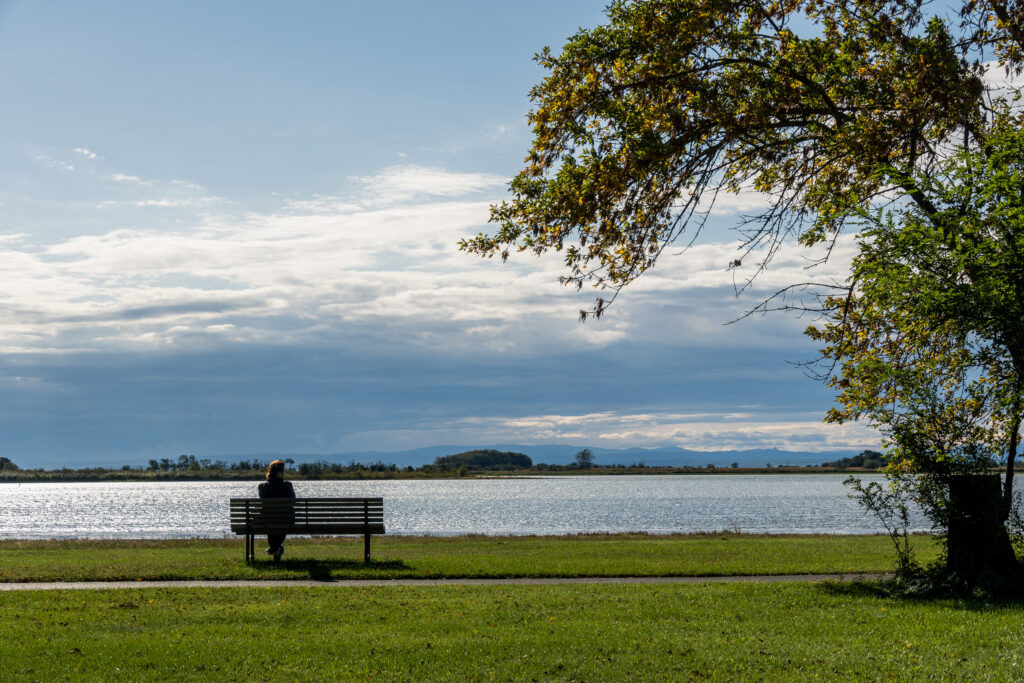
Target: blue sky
[{"x": 231, "y": 228}]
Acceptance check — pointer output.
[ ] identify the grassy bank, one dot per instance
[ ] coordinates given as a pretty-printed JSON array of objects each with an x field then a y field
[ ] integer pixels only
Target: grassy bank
[
  {"x": 663, "y": 632},
  {"x": 457, "y": 557}
]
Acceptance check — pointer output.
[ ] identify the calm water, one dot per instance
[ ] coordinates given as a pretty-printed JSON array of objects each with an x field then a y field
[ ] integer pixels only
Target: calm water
[{"x": 557, "y": 505}]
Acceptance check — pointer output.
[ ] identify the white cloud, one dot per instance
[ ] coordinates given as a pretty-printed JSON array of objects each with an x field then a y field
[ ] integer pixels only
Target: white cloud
[
  {"x": 124, "y": 178},
  {"x": 85, "y": 152},
  {"x": 402, "y": 183},
  {"x": 177, "y": 202},
  {"x": 55, "y": 163},
  {"x": 747, "y": 200},
  {"x": 326, "y": 267},
  {"x": 997, "y": 78},
  {"x": 709, "y": 432},
  {"x": 321, "y": 204}
]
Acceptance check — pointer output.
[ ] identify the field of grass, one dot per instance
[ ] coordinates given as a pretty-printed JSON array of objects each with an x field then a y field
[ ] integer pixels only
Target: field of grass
[
  {"x": 454, "y": 557},
  {"x": 567, "y": 632}
]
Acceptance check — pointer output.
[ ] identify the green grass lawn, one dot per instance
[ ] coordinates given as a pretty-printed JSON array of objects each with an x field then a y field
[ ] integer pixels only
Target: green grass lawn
[
  {"x": 454, "y": 557},
  {"x": 566, "y": 632}
]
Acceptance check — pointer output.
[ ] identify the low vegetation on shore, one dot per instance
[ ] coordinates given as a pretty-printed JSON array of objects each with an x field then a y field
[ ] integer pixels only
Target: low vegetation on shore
[{"x": 479, "y": 463}]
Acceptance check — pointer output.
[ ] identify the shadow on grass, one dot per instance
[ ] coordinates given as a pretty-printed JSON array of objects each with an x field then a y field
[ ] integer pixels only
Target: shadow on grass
[
  {"x": 323, "y": 569},
  {"x": 891, "y": 590},
  {"x": 858, "y": 589}
]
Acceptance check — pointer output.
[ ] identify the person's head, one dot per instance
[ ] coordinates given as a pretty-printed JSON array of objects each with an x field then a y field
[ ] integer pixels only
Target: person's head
[{"x": 276, "y": 469}]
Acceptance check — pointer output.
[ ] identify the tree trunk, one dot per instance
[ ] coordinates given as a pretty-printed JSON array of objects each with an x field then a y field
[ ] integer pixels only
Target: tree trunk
[{"x": 977, "y": 544}]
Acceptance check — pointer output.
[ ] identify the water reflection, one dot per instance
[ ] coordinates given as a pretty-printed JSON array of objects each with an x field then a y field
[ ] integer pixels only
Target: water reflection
[{"x": 781, "y": 503}]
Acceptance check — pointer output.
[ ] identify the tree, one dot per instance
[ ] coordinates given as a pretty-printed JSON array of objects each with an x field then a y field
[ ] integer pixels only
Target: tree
[
  {"x": 585, "y": 459},
  {"x": 928, "y": 344},
  {"x": 642, "y": 124},
  {"x": 7, "y": 464},
  {"x": 851, "y": 114}
]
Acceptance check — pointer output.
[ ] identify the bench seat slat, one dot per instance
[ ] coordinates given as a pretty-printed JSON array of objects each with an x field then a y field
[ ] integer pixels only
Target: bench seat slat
[
  {"x": 312, "y": 530},
  {"x": 307, "y": 515}
]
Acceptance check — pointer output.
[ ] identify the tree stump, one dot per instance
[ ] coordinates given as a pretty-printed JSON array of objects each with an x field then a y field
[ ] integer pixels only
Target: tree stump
[{"x": 977, "y": 544}]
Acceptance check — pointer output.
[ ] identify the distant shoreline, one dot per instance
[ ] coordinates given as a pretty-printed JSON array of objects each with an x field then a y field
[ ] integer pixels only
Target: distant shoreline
[{"x": 102, "y": 475}]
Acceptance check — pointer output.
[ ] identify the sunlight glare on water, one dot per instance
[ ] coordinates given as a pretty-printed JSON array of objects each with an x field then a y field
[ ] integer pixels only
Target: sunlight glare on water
[{"x": 777, "y": 503}]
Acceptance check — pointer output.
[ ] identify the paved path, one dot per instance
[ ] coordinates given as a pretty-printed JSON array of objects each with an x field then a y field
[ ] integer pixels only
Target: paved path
[{"x": 353, "y": 583}]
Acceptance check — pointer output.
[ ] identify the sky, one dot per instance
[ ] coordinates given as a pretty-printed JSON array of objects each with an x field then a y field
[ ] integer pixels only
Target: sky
[{"x": 231, "y": 228}]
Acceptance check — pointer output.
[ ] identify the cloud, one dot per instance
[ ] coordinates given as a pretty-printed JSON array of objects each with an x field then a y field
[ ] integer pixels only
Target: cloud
[
  {"x": 747, "y": 200},
  {"x": 124, "y": 178},
  {"x": 997, "y": 78},
  {"x": 157, "y": 311},
  {"x": 311, "y": 274},
  {"x": 174, "y": 193},
  {"x": 327, "y": 267},
  {"x": 402, "y": 183},
  {"x": 613, "y": 429},
  {"x": 55, "y": 163},
  {"x": 88, "y": 154},
  {"x": 177, "y": 202},
  {"x": 373, "y": 306}
]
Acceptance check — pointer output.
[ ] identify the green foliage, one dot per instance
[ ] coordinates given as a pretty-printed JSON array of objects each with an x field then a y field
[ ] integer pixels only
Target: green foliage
[
  {"x": 928, "y": 343},
  {"x": 641, "y": 124},
  {"x": 321, "y": 469},
  {"x": 485, "y": 459},
  {"x": 6, "y": 464},
  {"x": 867, "y": 459},
  {"x": 585, "y": 459},
  {"x": 890, "y": 503}
]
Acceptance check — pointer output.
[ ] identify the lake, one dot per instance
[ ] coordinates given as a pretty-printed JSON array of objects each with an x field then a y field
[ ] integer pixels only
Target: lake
[{"x": 779, "y": 503}]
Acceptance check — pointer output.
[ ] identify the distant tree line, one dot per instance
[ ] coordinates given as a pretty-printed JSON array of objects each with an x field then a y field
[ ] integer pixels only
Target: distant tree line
[
  {"x": 871, "y": 460},
  {"x": 321, "y": 468},
  {"x": 187, "y": 467},
  {"x": 189, "y": 463}
]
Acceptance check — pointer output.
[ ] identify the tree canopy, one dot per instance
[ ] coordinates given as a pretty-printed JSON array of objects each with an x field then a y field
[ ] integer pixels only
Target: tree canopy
[
  {"x": 928, "y": 343},
  {"x": 585, "y": 459},
  {"x": 826, "y": 108}
]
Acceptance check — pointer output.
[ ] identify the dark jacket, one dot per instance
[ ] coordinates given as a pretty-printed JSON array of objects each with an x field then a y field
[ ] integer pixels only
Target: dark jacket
[{"x": 276, "y": 488}]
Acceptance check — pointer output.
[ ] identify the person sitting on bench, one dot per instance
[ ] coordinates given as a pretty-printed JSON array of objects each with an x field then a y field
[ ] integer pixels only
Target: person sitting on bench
[{"x": 276, "y": 487}]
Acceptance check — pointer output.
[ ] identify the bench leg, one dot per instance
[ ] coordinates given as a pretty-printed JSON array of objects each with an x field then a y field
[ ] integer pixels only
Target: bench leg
[
  {"x": 250, "y": 550},
  {"x": 366, "y": 547}
]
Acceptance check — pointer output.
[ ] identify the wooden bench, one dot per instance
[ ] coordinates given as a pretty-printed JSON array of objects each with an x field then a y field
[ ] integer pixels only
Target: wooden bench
[{"x": 252, "y": 516}]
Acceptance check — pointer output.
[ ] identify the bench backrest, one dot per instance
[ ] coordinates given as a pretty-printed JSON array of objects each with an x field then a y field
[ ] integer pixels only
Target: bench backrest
[{"x": 308, "y": 515}]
